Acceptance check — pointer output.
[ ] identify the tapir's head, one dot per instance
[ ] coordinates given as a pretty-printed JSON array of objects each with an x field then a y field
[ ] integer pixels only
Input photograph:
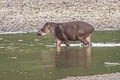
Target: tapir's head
[{"x": 46, "y": 29}]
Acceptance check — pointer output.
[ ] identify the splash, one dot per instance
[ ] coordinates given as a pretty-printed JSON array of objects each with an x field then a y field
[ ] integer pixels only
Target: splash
[
  {"x": 112, "y": 44},
  {"x": 112, "y": 63}
]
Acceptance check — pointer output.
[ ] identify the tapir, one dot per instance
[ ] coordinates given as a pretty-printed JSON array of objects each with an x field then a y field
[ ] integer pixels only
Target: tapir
[{"x": 68, "y": 31}]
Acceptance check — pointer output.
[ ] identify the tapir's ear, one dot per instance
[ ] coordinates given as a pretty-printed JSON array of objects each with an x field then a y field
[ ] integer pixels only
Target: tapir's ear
[{"x": 48, "y": 24}]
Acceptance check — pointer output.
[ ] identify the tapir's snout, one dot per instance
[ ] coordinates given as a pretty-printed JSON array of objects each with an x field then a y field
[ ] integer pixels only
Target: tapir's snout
[{"x": 40, "y": 33}]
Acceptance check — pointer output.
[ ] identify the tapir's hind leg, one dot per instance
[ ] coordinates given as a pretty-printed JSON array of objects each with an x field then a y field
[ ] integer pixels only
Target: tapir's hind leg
[{"x": 88, "y": 38}]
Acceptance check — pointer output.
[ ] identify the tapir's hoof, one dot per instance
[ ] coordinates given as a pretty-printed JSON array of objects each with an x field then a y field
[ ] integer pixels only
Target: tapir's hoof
[{"x": 86, "y": 43}]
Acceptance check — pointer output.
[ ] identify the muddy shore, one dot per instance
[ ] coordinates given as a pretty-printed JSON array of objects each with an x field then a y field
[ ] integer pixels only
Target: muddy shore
[{"x": 112, "y": 76}]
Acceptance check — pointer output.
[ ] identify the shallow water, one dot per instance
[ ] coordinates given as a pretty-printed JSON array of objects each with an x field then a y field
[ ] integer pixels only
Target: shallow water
[{"x": 31, "y": 57}]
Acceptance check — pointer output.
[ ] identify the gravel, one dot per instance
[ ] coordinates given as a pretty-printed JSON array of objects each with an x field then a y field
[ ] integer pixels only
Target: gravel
[
  {"x": 30, "y": 15},
  {"x": 112, "y": 76}
]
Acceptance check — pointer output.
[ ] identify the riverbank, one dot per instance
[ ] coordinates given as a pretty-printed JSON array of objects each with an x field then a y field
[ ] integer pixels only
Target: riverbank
[
  {"x": 30, "y": 15},
  {"x": 112, "y": 76}
]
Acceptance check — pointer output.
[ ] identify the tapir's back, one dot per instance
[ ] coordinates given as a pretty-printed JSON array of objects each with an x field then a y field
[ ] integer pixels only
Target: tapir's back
[{"x": 74, "y": 29}]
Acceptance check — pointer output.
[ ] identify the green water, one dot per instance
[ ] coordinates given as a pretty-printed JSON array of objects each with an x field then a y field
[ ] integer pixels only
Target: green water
[{"x": 25, "y": 57}]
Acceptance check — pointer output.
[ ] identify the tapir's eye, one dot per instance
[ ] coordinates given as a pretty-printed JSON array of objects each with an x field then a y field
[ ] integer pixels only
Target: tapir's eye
[{"x": 42, "y": 29}]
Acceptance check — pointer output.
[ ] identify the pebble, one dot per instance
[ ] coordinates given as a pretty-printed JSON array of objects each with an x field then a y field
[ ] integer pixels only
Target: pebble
[{"x": 112, "y": 76}]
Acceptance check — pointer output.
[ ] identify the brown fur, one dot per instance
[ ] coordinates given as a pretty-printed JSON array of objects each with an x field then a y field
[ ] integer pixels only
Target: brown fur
[{"x": 69, "y": 31}]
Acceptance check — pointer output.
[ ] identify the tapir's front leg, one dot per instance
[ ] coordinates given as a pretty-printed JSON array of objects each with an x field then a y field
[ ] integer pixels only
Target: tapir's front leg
[{"x": 58, "y": 43}]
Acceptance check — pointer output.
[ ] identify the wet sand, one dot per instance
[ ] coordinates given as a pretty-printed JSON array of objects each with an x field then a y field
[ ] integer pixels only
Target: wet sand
[{"x": 112, "y": 76}]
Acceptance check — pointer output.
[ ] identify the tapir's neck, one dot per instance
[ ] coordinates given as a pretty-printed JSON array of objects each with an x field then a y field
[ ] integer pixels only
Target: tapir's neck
[{"x": 53, "y": 27}]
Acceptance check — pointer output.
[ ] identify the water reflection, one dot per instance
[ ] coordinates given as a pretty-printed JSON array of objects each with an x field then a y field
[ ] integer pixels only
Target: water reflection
[{"x": 74, "y": 57}]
